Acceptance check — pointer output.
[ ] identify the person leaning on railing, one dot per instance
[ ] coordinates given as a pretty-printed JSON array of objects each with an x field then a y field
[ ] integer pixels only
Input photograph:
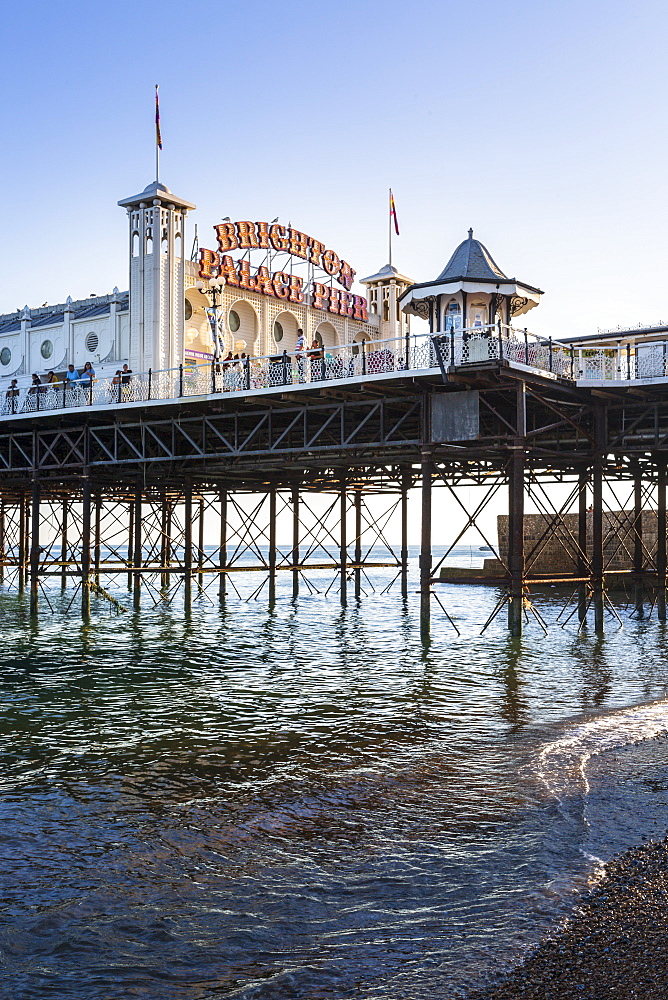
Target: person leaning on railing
[
  {"x": 126, "y": 378},
  {"x": 315, "y": 353},
  {"x": 87, "y": 376}
]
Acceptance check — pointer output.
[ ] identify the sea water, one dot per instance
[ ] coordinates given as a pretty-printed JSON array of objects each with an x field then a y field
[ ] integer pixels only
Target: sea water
[{"x": 310, "y": 801}]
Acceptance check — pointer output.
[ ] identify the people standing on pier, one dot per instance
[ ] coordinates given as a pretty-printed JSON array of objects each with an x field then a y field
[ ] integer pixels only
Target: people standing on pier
[
  {"x": 11, "y": 396},
  {"x": 126, "y": 376},
  {"x": 300, "y": 356},
  {"x": 88, "y": 373},
  {"x": 316, "y": 361},
  {"x": 72, "y": 376},
  {"x": 30, "y": 403},
  {"x": 52, "y": 381}
]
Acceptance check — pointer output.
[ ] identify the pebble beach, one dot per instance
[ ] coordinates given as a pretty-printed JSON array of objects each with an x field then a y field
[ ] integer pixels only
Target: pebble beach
[{"x": 616, "y": 944}]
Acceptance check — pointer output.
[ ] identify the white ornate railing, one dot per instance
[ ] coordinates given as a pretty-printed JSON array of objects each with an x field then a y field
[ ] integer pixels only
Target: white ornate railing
[
  {"x": 248, "y": 374},
  {"x": 412, "y": 352}
]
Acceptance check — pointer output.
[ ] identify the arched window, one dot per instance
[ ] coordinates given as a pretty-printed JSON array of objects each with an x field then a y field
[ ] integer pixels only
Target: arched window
[{"x": 453, "y": 316}]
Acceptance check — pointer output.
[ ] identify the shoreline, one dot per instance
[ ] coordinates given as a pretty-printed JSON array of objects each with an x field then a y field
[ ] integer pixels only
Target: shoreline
[{"x": 614, "y": 945}]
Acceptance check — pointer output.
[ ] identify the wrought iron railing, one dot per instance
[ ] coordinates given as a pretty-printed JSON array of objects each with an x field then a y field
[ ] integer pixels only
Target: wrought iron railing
[
  {"x": 222, "y": 376},
  {"x": 411, "y": 352}
]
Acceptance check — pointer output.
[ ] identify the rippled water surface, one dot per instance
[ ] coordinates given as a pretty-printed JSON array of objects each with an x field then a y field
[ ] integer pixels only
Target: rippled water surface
[{"x": 308, "y": 802}]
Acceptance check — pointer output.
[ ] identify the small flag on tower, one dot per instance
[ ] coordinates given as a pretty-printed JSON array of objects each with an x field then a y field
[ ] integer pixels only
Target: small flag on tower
[
  {"x": 158, "y": 137},
  {"x": 393, "y": 213}
]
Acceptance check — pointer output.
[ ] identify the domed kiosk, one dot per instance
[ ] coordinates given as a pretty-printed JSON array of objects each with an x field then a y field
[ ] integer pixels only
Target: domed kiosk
[{"x": 470, "y": 292}]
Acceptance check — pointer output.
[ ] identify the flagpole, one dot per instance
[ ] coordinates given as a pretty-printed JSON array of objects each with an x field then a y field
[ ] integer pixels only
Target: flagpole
[
  {"x": 158, "y": 137},
  {"x": 389, "y": 221}
]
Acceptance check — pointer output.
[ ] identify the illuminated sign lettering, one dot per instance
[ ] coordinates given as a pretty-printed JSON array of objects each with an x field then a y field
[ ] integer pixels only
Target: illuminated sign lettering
[
  {"x": 282, "y": 239},
  {"x": 281, "y": 285}
]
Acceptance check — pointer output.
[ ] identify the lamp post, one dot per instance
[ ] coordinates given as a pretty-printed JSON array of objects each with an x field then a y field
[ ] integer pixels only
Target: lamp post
[{"x": 213, "y": 287}]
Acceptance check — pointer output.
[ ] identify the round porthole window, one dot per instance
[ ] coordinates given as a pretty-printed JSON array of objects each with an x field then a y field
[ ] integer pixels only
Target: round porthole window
[
  {"x": 278, "y": 332},
  {"x": 189, "y": 310},
  {"x": 46, "y": 350},
  {"x": 5, "y": 356},
  {"x": 92, "y": 340},
  {"x": 235, "y": 322}
]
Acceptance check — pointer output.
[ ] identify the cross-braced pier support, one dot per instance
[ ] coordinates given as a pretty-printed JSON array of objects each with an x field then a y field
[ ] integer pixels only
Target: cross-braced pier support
[{"x": 599, "y": 519}]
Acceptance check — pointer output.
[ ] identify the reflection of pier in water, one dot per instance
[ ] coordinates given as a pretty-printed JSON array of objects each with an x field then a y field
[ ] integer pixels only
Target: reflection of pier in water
[{"x": 93, "y": 495}]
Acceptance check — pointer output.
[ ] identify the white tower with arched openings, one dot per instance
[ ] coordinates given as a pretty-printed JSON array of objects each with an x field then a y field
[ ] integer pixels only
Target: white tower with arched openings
[
  {"x": 384, "y": 290},
  {"x": 157, "y": 274}
]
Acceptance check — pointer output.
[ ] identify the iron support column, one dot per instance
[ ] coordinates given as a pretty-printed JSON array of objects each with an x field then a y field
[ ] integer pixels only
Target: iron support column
[
  {"x": 597, "y": 560},
  {"x": 597, "y": 542},
  {"x": 64, "y": 516},
  {"x": 272, "y": 545},
  {"x": 343, "y": 549},
  {"x": 137, "y": 553},
  {"x": 295, "y": 541},
  {"x": 637, "y": 542},
  {"x": 425, "y": 541},
  {"x": 404, "y": 535},
  {"x": 164, "y": 576},
  {"x": 34, "y": 548},
  {"x": 582, "y": 544},
  {"x": 516, "y": 478},
  {"x": 222, "y": 551},
  {"x": 358, "y": 543},
  {"x": 188, "y": 544},
  {"x": 85, "y": 548},
  {"x": 661, "y": 542}
]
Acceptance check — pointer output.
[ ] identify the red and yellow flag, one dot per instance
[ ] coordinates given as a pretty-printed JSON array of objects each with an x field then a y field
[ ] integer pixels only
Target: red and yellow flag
[
  {"x": 393, "y": 213},
  {"x": 158, "y": 137}
]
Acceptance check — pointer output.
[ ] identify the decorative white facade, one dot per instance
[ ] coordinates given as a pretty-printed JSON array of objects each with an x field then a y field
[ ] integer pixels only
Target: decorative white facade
[
  {"x": 96, "y": 329},
  {"x": 255, "y": 324},
  {"x": 165, "y": 319}
]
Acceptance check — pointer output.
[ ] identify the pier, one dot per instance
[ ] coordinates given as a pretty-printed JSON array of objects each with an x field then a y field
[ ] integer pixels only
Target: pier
[{"x": 97, "y": 488}]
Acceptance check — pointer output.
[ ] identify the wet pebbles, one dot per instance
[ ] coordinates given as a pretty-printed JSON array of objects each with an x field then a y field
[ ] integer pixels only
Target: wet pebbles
[{"x": 615, "y": 946}]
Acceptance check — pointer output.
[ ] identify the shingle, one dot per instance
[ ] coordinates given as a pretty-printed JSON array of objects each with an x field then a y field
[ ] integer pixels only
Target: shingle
[{"x": 472, "y": 260}]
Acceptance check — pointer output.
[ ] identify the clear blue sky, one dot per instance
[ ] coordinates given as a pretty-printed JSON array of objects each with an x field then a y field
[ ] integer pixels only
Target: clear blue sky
[{"x": 543, "y": 126}]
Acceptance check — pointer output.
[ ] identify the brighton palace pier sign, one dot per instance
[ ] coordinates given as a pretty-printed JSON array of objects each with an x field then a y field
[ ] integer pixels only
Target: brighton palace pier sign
[{"x": 271, "y": 237}]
